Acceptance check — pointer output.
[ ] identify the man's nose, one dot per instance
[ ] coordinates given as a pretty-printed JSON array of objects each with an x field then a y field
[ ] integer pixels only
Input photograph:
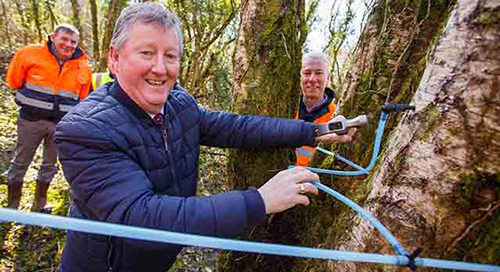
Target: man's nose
[
  {"x": 159, "y": 65},
  {"x": 313, "y": 77},
  {"x": 70, "y": 44}
]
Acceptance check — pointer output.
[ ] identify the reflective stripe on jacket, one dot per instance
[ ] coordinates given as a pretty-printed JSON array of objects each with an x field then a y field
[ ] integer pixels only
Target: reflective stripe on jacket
[
  {"x": 99, "y": 79},
  {"x": 47, "y": 90},
  {"x": 320, "y": 114}
]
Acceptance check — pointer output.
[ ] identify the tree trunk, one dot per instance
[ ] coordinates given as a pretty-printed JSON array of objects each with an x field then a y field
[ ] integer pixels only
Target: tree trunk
[
  {"x": 49, "y": 5},
  {"x": 36, "y": 19},
  {"x": 114, "y": 8},
  {"x": 438, "y": 186},
  {"x": 95, "y": 30},
  {"x": 26, "y": 28},
  {"x": 389, "y": 62},
  {"x": 76, "y": 18},
  {"x": 6, "y": 25},
  {"x": 266, "y": 82}
]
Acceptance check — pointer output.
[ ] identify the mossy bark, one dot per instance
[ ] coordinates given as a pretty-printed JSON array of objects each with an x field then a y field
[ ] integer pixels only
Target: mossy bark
[
  {"x": 389, "y": 62},
  {"x": 266, "y": 82},
  {"x": 437, "y": 184}
]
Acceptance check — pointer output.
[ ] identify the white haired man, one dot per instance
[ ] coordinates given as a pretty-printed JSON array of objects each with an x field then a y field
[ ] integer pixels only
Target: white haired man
[{"x": 316, "y": 100}]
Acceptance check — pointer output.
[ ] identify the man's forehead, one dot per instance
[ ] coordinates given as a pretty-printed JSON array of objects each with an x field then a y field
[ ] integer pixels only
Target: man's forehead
[
  {"x": 70, "y": 35},
  {"x": 313, "y": 64}
]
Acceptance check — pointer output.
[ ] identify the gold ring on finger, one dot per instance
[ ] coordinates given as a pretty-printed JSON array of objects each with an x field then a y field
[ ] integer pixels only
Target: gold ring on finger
[{"x": 302, "y": 189}]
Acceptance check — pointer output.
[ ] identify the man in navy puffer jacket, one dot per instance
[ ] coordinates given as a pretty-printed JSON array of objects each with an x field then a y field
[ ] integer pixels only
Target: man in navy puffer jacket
[{"x": 130, "y": 152}]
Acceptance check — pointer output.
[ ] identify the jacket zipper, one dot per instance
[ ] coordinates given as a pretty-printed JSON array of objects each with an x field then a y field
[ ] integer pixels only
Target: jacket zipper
[
  {"x": 164, "y": 135},
  {"x": 169, "y": 154},
  {"x": 110, "y": 254}
]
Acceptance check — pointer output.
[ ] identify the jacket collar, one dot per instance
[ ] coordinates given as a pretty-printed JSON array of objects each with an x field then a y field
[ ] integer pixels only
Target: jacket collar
[
  {"x": 119, "y": 94},
  {"x": 318, "y": 110}
]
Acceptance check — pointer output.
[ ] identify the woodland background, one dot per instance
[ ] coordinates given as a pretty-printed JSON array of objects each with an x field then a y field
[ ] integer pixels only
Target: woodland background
[{"x": 436, "y": 184}]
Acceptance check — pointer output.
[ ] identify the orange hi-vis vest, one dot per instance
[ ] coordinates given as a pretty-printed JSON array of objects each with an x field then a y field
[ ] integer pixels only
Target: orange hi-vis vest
[
  {"x": 46, "y": 89},
  {"x": 304, "y": 154}
]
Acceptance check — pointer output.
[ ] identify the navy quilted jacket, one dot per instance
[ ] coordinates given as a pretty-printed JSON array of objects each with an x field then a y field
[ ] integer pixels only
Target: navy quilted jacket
[{"x": 120, "y": 171}]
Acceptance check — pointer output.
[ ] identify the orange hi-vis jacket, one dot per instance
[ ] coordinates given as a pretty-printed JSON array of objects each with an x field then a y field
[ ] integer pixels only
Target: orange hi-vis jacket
[
  {"x": 46, "y": 89},
  {"x": 320, "y": 114}
]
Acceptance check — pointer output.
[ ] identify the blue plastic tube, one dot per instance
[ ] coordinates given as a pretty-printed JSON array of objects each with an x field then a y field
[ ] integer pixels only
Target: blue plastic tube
[
  {"x": 342, "y": 159},
  {"x": 366, "y": 215},
  {"x": 96, "y": 227}
]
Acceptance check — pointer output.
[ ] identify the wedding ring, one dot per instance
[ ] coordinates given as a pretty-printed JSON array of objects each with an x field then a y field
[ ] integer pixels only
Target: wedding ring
[{"x": 302, "y": 189}]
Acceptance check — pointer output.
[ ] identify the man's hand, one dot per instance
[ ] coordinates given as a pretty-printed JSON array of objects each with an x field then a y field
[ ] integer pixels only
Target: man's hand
[
  {"x": 332, "y": 138},
  {"x": 287, "y": 189}
]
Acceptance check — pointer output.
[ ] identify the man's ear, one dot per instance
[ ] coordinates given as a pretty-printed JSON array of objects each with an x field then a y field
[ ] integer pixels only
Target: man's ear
[
  {"x": 113, "y": 60},
  {"x": 52, "y": 36}
]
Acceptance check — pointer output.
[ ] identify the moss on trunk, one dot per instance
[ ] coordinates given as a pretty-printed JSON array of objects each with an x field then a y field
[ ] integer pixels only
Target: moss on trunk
[
  {"x": 266, "y": 82},
  {"x": 397, "y": 39}
]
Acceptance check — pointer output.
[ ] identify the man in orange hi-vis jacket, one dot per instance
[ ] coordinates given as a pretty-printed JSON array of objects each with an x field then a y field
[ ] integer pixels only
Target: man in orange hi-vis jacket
[
  {"x": 316, "y": 100},
  {"x": 50, "y": 79}
]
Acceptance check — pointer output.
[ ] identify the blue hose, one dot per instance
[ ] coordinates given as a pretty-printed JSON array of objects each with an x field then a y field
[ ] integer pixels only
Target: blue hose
[
  {"x": 342, "y": 159},
  {"x": 445, "y": 264},
  {"x": 89, "y": 226},
  {"x": 388, "y": 236},
  {"x": 378, "y": 140},
  {"x": 96, "y": 227}
]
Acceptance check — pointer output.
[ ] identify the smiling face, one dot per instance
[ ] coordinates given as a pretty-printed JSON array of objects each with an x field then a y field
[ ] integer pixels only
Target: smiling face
[
  {"x": 65, "y": 43},
  {"x": 147, "y": 65},
  {"x": 313, "y": 80}
]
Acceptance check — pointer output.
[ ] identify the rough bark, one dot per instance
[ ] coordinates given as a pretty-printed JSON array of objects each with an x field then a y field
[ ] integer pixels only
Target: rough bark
[
  {"x": 266, "y": 82},
  {"x": 388, "y": 64},
  {"x": 437, "y": 186}
]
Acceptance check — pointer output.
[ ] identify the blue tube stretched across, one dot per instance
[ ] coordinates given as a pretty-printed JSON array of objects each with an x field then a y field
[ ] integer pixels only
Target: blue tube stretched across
[
  {"x": 445, "y": 264},
  {"x": 96, "y": 227}
]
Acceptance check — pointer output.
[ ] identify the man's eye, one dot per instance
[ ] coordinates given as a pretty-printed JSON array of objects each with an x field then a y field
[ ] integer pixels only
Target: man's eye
[
  {"x": 146, "y": 53},
  {"x": 172, "y": 56}
]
